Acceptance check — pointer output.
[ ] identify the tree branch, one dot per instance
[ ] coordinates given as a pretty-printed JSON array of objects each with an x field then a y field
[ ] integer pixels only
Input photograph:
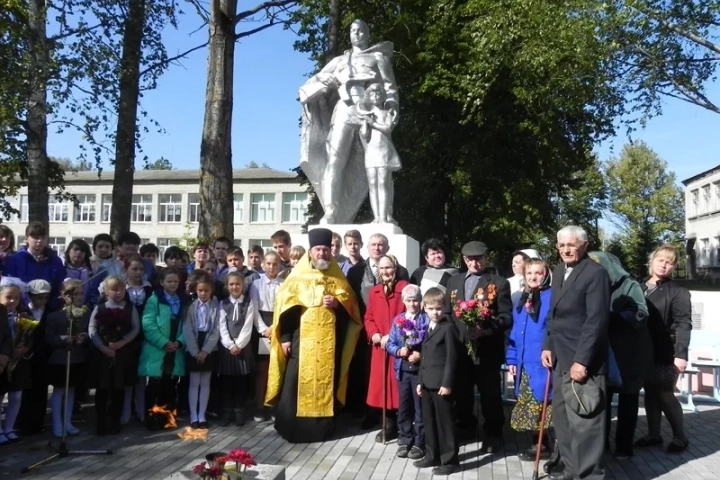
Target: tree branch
[
  {"x": 70, "y": 33},
  {"x": 172, "y": 59},
  {"x": 689, "y": 35},
  {"x": 200, "y": 9},
  {"x": 263, "y": 6},
  {"x": 247, "y": 33}
]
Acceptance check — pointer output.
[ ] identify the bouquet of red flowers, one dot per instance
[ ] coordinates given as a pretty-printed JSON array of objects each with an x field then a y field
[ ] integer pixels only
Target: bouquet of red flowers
[{"x": 477, "y": 311}]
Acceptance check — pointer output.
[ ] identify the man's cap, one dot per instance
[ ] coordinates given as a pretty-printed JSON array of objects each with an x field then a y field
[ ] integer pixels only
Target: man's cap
[
  {"x": 474, "y": 249},
  {"x": 36, "y": 287},
  {"x": 320, "y": 236}
]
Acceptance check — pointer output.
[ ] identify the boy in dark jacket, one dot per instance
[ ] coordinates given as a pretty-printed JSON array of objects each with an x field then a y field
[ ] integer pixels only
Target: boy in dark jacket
[
  {"x": 440, "y": 357},
  {"x": 37, "y": 261}
]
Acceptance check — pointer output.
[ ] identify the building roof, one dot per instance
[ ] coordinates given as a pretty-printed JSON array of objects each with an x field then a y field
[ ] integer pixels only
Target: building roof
[
  {"x": 178, "y": 175},
  {"x": 701, "y": 175}
]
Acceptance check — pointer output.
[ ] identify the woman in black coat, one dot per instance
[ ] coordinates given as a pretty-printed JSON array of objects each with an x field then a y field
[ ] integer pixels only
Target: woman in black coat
[{"x": 670, "y": 324}]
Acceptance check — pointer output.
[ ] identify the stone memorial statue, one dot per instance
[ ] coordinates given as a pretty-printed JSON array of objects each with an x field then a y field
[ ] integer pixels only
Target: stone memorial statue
[{"x": 350, "y": 108}]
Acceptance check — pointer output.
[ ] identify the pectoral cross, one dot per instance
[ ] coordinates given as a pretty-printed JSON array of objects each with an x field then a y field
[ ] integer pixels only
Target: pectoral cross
[{"x": 327, "y": 285}]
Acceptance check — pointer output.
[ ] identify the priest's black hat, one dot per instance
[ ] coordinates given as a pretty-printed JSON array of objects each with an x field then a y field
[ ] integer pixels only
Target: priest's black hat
[{"x": 320, "y": 236}]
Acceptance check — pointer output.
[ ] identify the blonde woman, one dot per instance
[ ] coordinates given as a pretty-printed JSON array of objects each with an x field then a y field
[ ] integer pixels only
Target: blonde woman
[{"x": 670, "y": 324}]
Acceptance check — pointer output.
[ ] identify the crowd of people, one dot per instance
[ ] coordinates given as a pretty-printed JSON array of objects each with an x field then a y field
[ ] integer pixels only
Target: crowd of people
[{"x": 297, "y": 337}]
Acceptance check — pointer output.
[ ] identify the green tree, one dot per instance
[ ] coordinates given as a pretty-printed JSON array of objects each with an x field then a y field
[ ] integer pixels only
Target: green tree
[
  {"x": 645, "y": 203},
  {"x": 68, "y": 165},
  {"x": 161, "y": 163}
]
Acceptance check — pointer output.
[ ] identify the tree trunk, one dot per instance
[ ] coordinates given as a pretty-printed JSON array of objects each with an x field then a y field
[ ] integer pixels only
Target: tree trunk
[
  {"x": 216, "y": 184},
  {"x": 333, "y": 28},
  {"x": 129, "y": 87},
  {"x": 37, "y": 160}
]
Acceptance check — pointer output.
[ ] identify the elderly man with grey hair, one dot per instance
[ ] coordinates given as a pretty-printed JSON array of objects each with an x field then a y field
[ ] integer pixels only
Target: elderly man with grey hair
[
  {"x": 576, "y": 349},
  {"x": 362, "y": 277}
]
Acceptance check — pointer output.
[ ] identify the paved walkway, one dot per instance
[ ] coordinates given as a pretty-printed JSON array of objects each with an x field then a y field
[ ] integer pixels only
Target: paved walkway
[{"x": 139, "y": 454}]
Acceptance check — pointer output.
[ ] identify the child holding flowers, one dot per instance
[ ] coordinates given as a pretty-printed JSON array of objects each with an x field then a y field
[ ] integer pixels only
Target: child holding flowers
[
  {"x": 67, "y": 328},
  {"x": 405, "y": 343},
  {"x": 18, "y": 368}
]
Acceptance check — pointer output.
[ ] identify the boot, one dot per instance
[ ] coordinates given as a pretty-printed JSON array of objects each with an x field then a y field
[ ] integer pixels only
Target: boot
[
  {"x": 240, "y": 417},
  {"x": 554, "y": 463},
  {"x": 226, "y": 418}
]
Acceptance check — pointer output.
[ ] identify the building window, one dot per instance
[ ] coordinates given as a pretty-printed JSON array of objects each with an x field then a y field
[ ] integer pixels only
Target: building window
[
  {"x": 88, "y": 240},
  {"x": 717, "y": 251},
  {"x": 238, "y": 208},
  {"x": 24, "y": 208},
  {"x": 295, "y": 207},
  {"x": 141, "y": 211},
  {"x": 694, "y": 199},
  {"x": 705, "y": 251},
  {"x": 716, "y": 198},
  {"x": 57, "y": 211},
  {"x": 265, "y": 244},
  {"x": 57, "y": 244},
  {"x": 20, "y": 242},
  {"x": 163, "y": 244},
  {"x": 706, "y": 199},
  {"x": 170, "y": 207},
  {"x": 85, "y": 209},
  {"x": 106, "y": 208},
  {"x": 263, "y": 208},
  {"x": 194, "y": 207}
]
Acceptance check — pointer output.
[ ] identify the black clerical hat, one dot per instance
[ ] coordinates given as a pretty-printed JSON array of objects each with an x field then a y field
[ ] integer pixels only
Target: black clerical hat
[{"x": 320, "y": 236}]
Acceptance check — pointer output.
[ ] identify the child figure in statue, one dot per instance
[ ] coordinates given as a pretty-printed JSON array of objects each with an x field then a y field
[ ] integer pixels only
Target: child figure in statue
[{"x": 381, "y": 158}]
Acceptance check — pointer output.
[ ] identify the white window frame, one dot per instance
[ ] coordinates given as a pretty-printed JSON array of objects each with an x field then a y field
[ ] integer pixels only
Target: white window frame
[
  {"x": 58, "y": 209},
  {"x": 716, "y": 198},
  {"x": 105, "y": 207},
  {"x": 706, "y": 199},
  {"x": 704, "y": 252},
  {"x": 238, "y": 207},
  {"x": 266, "y": 245},
  {"x": 24, "y": 208},
  {"x": 296, "y": 208},
  {"x": 84, "y": 211},
  {"x": 193, "y": 208},
  {"x": 694, "y": 202},
  {"x": 170, "y": 206},
  {"x": 56, "y": 242},
  {"x": 717, "y": 251},
  {"x": 262, "y": 208},
  {"x": 163, "y": 244},
  {"x": 141, "y": 208}
]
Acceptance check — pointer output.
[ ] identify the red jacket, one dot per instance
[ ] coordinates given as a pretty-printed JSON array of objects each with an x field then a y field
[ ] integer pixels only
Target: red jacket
[{"x": 381, "y": 309}]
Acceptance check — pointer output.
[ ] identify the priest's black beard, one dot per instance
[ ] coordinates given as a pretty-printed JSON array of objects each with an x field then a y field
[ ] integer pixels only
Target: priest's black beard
[{"x": 321, "y": 264}]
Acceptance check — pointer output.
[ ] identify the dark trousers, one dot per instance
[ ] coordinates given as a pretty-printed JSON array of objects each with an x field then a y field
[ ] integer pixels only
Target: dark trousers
[
  {"x": 410, "y": 417},
  {"x": 235, "y": 391},
  {"x": 103, "y": 411},
  {"x": 627, "y": 416},
  {"x": 162, "y": 391},
  {"x": 581, "y": 447},
  {"x": 487, "y": 378},
  {"x": 359, "y": 377},
  {"x": 441, "y": 443},
  {"x": 215, "y": 403}
]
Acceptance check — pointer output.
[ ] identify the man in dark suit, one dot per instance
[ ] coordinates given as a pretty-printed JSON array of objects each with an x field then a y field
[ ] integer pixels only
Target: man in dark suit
[
  {"x": 576, "y": 348},
  {"x": 362, "y": 277},
  {"x": 436, "y": 387},
  {"x": 489, "y": 345}
]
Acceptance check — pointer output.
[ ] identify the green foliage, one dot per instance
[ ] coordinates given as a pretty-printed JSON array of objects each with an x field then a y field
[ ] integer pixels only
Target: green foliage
[
  {"x": 161, "y": 163},
  {"x": 646, "y": 204},
  {"x": 68, "y": 165}
]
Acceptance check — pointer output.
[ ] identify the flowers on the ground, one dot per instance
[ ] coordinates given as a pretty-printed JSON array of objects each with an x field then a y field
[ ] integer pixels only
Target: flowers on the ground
[{"x": 214, "y": 468}]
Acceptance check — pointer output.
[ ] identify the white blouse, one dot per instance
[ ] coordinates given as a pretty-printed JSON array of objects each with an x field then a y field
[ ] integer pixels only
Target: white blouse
[
  {"x": 263, "y": 292},
  {"x": 246, "y": 331}
]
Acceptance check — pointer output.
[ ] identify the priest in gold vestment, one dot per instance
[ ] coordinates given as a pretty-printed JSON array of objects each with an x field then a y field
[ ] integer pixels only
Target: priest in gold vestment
[{"x": 315, "y": 328}]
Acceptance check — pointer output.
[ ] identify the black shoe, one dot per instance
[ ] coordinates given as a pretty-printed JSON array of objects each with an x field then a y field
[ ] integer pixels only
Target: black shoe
[
  {"x": 194, "y": 425},
  {"x": 402, "y": 451},
  {"x": 240, "y": 418},
  {"x": 554, "y": 463},
  {"x": 225, "y": 420},
  {"x": 389, "y": 435},
  {"x": 677, "y": 446},
  {"x": 446, "y": 469},
  {"x": 561, "y": 476},
  {"x": 416, "y": 453},
  {"x": 425, "y": 463},
  {"x": 648, "y": 441},
  {"x": 490, "y": 445},
  {"x": 203, "y": 425}
]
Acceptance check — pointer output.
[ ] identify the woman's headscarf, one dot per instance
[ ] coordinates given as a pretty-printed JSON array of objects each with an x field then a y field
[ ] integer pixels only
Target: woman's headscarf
[
  {"x": 389, "y": 286},
  {"x": 530, "y": 298}
]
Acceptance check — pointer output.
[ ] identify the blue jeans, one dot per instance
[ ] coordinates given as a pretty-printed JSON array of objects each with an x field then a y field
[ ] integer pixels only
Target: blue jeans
[{"x": 410, "y": 412}]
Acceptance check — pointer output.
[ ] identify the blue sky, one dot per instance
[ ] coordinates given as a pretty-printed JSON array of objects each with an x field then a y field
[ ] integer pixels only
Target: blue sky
[{"x": 268, "y": 72}]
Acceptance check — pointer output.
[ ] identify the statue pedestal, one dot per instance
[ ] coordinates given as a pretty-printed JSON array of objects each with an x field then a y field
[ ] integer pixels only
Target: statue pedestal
[{"x": 406, "y": 249}]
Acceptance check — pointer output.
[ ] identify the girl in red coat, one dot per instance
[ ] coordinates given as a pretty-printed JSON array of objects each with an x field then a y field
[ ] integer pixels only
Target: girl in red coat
[{"x": 384, "y": 303}]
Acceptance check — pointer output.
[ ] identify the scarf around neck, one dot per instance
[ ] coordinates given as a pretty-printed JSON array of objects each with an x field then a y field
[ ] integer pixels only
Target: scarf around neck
[{"x": 530, "y": 298}]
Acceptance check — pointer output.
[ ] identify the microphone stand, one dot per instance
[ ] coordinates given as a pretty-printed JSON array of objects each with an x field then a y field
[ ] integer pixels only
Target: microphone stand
[{"x": 61, "y": 448}]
